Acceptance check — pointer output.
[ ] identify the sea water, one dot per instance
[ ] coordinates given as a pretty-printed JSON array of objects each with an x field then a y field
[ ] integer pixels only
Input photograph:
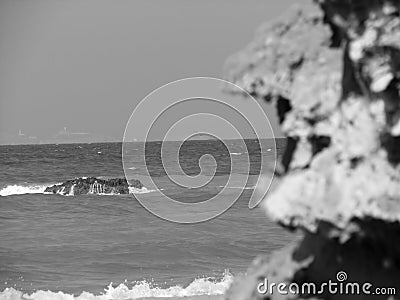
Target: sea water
[{"x": 109, "y": 246}]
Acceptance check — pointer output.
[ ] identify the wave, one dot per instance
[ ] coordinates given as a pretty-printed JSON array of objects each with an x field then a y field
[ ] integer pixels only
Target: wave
[
  {"x": 142, "y": 289},
  {"x": 17, "y": 189},
  {"x": 143, "y": 190},
  {"x": 238, "y": 187},
  {"x": 236, "y": 153}
]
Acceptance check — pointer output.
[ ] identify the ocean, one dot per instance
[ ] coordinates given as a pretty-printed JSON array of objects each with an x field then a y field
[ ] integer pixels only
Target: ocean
[{"x": 109, "y": 246}]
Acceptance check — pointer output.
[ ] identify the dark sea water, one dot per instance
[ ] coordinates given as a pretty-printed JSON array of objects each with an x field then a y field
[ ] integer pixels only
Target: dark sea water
[{"x": 51, "y": 243}]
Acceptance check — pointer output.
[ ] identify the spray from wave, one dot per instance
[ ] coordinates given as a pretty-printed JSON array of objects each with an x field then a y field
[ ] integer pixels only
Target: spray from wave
[
  {"x": 141, "y": 289},
  {"x": 16, "y": 189}
]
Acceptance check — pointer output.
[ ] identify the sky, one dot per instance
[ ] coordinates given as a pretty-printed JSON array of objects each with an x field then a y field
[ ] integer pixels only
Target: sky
[{"x": 84, "y": 65}]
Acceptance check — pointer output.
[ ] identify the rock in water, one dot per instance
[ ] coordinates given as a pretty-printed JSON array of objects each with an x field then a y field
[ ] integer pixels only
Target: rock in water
[
  {"x": 93, "y": 185},
  {"x": 332, "y": 68}
]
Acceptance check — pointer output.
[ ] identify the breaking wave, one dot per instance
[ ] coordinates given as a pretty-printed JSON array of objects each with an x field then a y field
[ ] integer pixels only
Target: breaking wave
[
  {"x": 236, "y": 153},
  {"x": 143, "y": 190},
  {"x": 238, "y": 187},
  {"x": 16, "y": 189},
  {"x": 141, "y": 289}
]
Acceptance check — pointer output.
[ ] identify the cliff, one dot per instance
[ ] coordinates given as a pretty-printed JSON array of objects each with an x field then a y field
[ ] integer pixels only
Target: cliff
[{"x": 332, "y": 70}]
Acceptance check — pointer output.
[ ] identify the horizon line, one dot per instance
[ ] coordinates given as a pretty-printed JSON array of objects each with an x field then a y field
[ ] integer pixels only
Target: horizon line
[{"x": 112, "y": 142}]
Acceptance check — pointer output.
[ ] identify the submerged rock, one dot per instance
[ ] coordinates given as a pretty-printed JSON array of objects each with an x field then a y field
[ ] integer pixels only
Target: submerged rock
[
  {"x": 332, "y": 68},
  {"x": 93, "y": 185}
]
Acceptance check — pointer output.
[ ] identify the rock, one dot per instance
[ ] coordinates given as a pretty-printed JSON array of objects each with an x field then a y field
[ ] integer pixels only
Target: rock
[
  {"x": 93, "y": 185},
  {"x": 333, "y": 70}
]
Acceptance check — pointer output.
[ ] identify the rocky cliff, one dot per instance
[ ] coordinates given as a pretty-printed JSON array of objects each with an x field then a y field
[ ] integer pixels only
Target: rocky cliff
[{"x": 332, "y": 70}]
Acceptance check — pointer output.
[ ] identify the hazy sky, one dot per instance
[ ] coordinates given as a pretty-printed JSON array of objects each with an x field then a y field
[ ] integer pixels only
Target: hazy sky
[{"x": 84, "y": 64}]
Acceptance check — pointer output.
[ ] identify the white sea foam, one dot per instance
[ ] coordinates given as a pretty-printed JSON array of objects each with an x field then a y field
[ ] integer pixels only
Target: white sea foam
[
  {"x": 132, "y": 190},
  {"x": 71, "y": 191},
  {"x": 16, "y": 189},
  {"x": 143, "y": 190},
  {"x": 238, "y": 187},
  {"x": 236, "y": 153},
  {"x": 142, "y": 289}
]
